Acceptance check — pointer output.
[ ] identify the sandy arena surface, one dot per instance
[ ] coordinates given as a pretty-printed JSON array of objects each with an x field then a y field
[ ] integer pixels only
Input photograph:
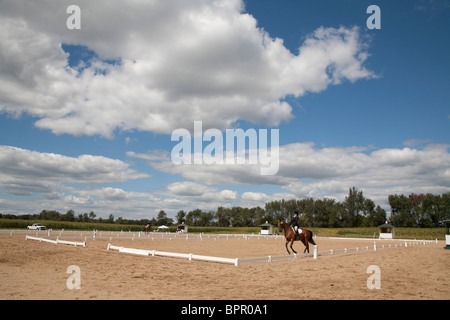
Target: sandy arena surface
[{"x": 33, "y": 270}]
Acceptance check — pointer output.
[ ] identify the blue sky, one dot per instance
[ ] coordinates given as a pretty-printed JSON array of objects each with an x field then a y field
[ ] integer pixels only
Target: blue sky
[
  {"x": 409, "y": 53},
  {"x": 86, "y": 115}
]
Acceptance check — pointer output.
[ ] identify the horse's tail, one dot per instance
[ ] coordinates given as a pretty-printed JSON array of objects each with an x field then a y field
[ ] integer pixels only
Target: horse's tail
[{"x": 311, "y": 240}]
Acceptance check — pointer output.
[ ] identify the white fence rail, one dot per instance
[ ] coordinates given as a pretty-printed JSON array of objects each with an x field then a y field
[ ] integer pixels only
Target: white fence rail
[
  {"x": 137, "y": 235},
  {"x": 140, "y": 235},
  {"x": 188, "y": 256},
  {"x": 238, "y": 261},
  {"x": 378, "y": 244},
  {"x": 57, "y": 241}
]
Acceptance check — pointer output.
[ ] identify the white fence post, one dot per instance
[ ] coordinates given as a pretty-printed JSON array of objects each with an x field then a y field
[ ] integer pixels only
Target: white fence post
[{"x": 315, "y": 251}]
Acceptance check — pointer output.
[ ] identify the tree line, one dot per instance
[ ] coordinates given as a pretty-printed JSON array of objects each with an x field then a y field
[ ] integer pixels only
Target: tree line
[
  {"x": 415, "y": 210},
  {"x": 419, "y": 210},
  {"x": 354, "y": 211}
]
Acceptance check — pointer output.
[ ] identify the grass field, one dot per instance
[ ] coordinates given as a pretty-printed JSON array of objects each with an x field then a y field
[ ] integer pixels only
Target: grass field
[{"x": 400, "y": 233}]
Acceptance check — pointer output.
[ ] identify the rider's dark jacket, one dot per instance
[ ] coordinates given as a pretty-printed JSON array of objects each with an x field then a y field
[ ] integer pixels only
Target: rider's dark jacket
[{"x": 294, "y": 221}]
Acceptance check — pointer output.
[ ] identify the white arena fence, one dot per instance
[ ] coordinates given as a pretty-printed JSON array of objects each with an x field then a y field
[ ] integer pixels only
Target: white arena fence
[
  {"x": 239, "y": 261},
  {"x": 57, "y": 241},
  {"x": 188, "y": 256},
  {"x": 129, "y": 235},
  {"x": 111, "y": 235}
]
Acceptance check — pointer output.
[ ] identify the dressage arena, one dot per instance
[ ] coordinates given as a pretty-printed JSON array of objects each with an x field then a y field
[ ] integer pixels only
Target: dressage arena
[{"x": 125, "y": 265}]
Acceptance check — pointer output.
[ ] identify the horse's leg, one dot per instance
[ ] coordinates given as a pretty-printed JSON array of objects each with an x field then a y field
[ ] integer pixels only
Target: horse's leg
[
  {"x": 287, "y": 241},
  {"x": 311, "y": 240},
  {"x": 292, "y": 243},
  {"x": 305, "y": 243}
]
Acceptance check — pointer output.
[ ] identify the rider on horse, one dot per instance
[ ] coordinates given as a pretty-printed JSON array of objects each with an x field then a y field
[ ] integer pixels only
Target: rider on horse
[{"x": 294, "y": 222}]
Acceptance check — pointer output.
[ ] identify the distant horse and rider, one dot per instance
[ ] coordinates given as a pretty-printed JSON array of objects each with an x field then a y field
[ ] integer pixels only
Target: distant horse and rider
[
  {"x": 148, "y": 227},
  {"x": 291, "y": 233}
]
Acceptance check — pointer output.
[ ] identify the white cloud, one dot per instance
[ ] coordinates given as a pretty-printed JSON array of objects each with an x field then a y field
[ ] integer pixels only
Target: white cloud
[
  {"x": 180, "y": 61},
  {"x": 255, "y": 199},
  {"x": 187, "y": 189},
  {"x": 222, "y": 174},
  {"x": 305, "y": 171},
  {"x": 378, "y": 173},
  {"x": 200, "y": 194},
  {"x": 113, "y": 194},
  {"x": 308, "y": 171},
  {"x": 57, "y": 182},
  {"x": 416, "y": 142},
  {"x": 25, "y": 172},
  {"x": 254, "y": 196}
]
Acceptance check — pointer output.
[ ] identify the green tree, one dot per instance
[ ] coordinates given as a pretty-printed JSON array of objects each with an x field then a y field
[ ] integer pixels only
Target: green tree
[
  {"x": 223, "y": 217},
  {"x": 376, "y": 217},
  {"x": 401, "y": 209},
  {"x": 92, "y": 216},
  {"x": 274, "y": 210},
  {"x": 419, "y": 210},
  {"x": 181, "y": 216},
  {"x": 193, "y": 217},
  {"x": 237, "y": 220},
  {"x": 325, "y": 214},
  {"x": 110, "y": 219},
  {"x": 162, "y": 219},
  {"x": 205, "y": 218},
  {"x": 49, "y": 215},
  {"x": 305, "y": 208},
  {"x": 259, "y": 216},
  {"x": 68, "y": 216},
  {"x": 353, "y": 205},
  {"x": 120, "y": 220}
]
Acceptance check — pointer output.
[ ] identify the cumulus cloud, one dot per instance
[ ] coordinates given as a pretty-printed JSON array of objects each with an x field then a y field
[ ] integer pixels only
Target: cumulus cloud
[
  {"x": 378, "y": 173},
  {"x": 179, "y": 61},
  {"x": 113, "y": 194},
  {"x": 305, "y": 171},
  {"x": 24, "y": 172},
  {"x": 54, "y": 181},
  {"x": 176, "y": 62},
  {"x": 200, "y": 193},
  {"x": 221, "y": 174},
  {"x": 309, "y": 171}
]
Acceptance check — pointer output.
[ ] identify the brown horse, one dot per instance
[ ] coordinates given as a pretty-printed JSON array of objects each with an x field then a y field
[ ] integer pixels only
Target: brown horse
[
  {"x": 148, "y": 228},
  {"x": 305, "y": 237}
]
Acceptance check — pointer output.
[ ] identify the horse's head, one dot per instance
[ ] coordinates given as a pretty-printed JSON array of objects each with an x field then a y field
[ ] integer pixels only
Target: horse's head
[{"x": 280, "y": 225}]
